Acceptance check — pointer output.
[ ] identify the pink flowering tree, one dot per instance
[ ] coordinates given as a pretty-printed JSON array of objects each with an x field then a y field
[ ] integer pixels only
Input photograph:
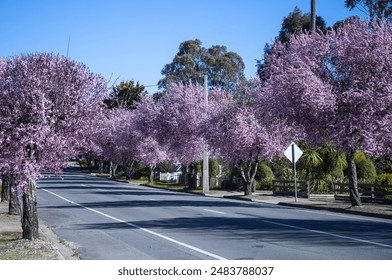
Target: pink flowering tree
[
  {"x": 237, "y": 132},
  {"x": 130, "y": 136},
  {"x": 180, "y": 114},
  {"x": 336, "y": 87},
  {"x": 106, "y": 141},
  {"x": 46, "y": 104},
  {"x": 145, "y": 130}
]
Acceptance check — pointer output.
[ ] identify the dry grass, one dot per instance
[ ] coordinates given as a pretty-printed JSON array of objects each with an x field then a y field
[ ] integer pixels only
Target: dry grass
[{"x": 13, "y": 247}]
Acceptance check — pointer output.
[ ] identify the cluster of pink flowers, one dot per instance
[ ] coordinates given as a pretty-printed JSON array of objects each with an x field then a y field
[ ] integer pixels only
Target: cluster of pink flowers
[{"x": 46, "y": 104}]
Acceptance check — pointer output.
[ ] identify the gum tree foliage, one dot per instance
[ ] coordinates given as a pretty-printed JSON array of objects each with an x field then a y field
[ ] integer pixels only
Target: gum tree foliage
[
  {"x": 224, "y": 68},
  {"x": 373, "y": 8},
  {"x": 336, "y": 87},
  {"x": 46, "y": 104}
]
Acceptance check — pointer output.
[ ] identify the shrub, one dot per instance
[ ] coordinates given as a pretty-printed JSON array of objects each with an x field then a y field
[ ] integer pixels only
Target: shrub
[
  {"x": 359, "y": 156},
  {"x": 384, "y": 179},
  {"x": 140, "y": 171},
  {"x": 366, "y": 171},
  {"x": 265, "y": 176},
  {"x": 213, "y": 167}
]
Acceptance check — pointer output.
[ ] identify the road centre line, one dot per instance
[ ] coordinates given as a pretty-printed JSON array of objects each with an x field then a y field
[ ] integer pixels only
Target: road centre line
[
  {"x": 213, "y": 211},
  {"x": 138, "y": 227},
  {"x": 327, "y": 233}
]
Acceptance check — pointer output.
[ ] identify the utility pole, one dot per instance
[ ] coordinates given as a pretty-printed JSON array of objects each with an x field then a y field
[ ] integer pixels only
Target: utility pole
[
  {"x": 313, "y": 15},
  {"x": 206, "y": 176}
]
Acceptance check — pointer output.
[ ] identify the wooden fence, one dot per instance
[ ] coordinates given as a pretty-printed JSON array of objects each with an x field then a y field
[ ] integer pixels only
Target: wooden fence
[
  {"x": 368, "y": 192},
  {"x": 286, "y": 188}
]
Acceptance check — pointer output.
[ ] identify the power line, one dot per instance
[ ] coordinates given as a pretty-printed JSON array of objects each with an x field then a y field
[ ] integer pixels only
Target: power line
[{"x": 69, "y": 39}]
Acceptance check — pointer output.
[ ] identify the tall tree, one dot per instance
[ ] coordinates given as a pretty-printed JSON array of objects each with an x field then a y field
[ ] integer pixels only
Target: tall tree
[
  {"x": 180, "y": 114},
  {"x": 144, "y": 131},
  {"x": 373, "y": 8},
  {"x": 46, "y": 104},
  {"x": 129, "y": 136},
  {"x": 295, "y": 23},
  {"x": 336, "y": 87},
  {"x": 192, "y": 61},
  {"x": 125, "y": 94},
  {"x": 235, "y": 130}
]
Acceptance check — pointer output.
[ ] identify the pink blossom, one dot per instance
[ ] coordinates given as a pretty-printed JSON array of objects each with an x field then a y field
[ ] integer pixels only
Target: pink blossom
[{"x": 47, "y": 103}]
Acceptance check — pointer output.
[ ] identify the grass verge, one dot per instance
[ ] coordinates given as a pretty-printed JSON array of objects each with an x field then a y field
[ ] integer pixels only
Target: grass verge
[{"x": 12, "y": 247}]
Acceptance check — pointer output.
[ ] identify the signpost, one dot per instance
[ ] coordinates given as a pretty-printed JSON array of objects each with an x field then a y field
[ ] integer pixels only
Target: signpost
[
  {"x": 206, "y": 176},
  {"x": 293, "y": 153}
]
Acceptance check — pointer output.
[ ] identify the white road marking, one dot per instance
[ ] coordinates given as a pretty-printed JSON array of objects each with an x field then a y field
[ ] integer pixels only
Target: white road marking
[
  {"x": 213, "y": 211},
  {"x": 328, "y": 233},
  {"x": 138, "y": 227}
]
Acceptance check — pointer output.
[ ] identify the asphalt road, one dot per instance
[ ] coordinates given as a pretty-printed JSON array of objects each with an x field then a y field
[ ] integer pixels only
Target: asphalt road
[{"x": 112, "y": 220}]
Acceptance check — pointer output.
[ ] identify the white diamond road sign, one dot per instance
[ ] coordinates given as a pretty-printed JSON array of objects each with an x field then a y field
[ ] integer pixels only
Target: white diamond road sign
[{"x": 289, "y": 152}]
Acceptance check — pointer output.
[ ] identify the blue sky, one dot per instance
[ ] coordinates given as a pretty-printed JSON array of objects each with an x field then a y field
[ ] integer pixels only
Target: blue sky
[{"x": 134, "y": 39}]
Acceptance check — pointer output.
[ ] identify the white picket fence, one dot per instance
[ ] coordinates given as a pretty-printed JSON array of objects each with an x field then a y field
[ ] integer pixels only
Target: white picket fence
[{"x": 173, "y": 177}]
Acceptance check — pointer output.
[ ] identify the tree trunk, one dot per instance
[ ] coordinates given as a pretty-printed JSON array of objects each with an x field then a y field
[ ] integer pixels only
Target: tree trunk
[
  {"x": 100, "y": 165},
  {"x": 249, "y": 175},
  {"x": 151, "y": 176},
  {"x": 5, "y": 188},
  {"x": 89, "y": 165},
  {"x": 80, "y": 164},
  {"x": 254, "y": 186},
  {"x": 14, "y": 202},
  {"x": 29, "y": 213},
  {"x": 353, "y": 180},
  {"x": 192, "y": 177},
  {"x": 113, "y": 168},
  {"x": 247, "y": 187},
  {"x": 128, "y": 169}
]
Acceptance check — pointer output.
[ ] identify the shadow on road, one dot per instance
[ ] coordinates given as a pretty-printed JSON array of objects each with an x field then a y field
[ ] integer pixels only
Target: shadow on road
[{"x": 270, "y": 230}]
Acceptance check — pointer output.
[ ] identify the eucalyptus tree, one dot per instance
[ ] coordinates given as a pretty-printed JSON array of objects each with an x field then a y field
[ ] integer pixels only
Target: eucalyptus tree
[
  {"x": 224, "y": 68},
  {"x": 373, "y": 8}
]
